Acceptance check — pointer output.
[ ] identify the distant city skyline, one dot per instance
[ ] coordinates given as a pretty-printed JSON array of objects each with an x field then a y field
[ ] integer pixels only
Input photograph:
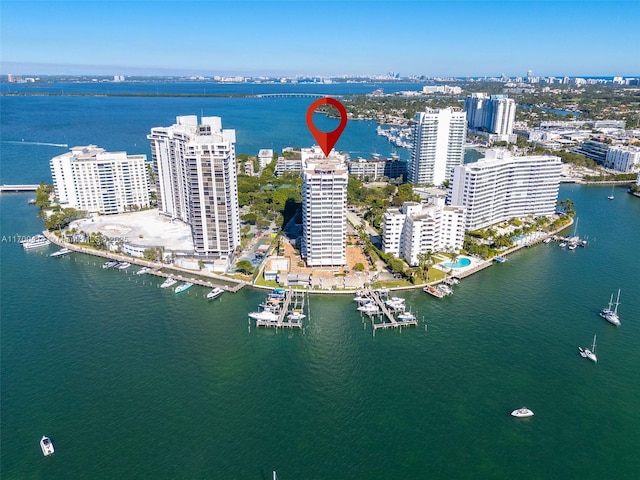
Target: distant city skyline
[{"x": 330, "y": 38}]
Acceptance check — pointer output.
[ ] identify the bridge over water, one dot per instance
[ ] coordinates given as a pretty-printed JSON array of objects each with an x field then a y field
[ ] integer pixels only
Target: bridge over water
[{"x": 18, "y": 188}]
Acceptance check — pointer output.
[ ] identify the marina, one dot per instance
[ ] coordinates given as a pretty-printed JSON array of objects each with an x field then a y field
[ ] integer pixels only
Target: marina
[
  {"x": 382, "y": 310},
  {"x": 283, "y": 308}
]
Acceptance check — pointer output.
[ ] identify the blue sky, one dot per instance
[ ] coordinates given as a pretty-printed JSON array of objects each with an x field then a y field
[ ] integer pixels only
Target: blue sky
[{"x": 413, "y": 37}]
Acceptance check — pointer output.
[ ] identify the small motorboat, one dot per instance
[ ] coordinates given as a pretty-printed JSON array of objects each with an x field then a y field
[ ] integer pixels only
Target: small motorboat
[
  {"x": 522, "y": 413},
  {"x": 46, "y": 445},
  {"x": 583, "y": 354},
  {"x": 215, "y": 293},
  {"x": 183, "y": 287}
]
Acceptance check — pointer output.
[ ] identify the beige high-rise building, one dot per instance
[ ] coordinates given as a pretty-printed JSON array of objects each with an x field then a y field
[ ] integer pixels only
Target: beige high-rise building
[{"x": 195, "y": 168}]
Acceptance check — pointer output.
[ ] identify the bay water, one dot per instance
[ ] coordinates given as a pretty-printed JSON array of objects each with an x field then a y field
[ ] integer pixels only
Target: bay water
[{"x": 133, "y": 381}]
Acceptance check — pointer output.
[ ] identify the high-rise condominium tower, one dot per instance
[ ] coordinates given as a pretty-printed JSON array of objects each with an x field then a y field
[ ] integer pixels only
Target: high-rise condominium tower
[
  {"x": 324, "y": 205},
  {"x": 438, "y": 145},
  {"x": 195, "y": 168},
  {"x": 494, "y": 114}
]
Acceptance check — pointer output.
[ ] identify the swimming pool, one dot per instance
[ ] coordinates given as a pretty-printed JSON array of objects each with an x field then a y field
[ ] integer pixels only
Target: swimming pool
[{"x": 461, "y": 263}]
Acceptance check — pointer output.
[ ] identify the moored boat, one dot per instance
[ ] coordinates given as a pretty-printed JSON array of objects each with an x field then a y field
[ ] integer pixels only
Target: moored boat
[
  {"x": 215, "y": 293},
  {"x": 433, "y": 291},
  {"x": 522, "y": 413},
  {"x": 296, "y": 315},
  {"x": 183, "y": 287},
  {"x": 123, "y": 265},
  {"x": 110, "y": 264},
  {"x": 46, "y": 445},
  {"x": 610, "y": 315},
  {"x": 590, "y": 353},
  {"x": 168, "y": 282},
  {"x": 143, "y": 270},
  {"x": 61, "y": 253},
  {"x": 264, "y": 315},
  {"x": 36, "y": 241}
]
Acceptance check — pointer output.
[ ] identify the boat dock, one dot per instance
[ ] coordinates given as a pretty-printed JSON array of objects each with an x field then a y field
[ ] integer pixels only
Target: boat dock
[
  {"x": 392, "y": 321},
  {"x": 292, "y": 301}
]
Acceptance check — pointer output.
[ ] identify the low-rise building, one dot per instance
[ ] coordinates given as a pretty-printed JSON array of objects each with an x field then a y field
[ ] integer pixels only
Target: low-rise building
[{"x": 623, "y": 159}]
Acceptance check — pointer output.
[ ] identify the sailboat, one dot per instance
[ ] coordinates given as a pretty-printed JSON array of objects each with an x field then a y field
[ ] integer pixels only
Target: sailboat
[
  {"x": 591, "y": 353},
  {"x": 611, "y": 197},
  {"x": 609, "y": 315}
]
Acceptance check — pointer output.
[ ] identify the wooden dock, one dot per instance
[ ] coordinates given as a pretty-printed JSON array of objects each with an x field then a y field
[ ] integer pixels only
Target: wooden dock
[
  {"x": 392, "y": 321},
  {"x": 294, "y": 299}
]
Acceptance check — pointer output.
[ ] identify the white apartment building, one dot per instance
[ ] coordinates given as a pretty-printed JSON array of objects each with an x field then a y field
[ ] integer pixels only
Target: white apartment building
[
  {"x": 89, "y": 178},
  {"x": 416, "y": 228},
  {"x": 265, "y": 157},
  {"x": 500, "y": 187},
  {"x": 195, "y": 167},
  {"x": 324, "y": 206},
  {"x": 438, "y": 145},
  {"x": 623, "y": 159},
  {"x": 494, "y": 114},
  {"x": 293, "y": 165}
]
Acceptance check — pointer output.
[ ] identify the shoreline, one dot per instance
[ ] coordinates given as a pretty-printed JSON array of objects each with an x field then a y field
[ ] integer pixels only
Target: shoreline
[{"x": 160, "y": 269}]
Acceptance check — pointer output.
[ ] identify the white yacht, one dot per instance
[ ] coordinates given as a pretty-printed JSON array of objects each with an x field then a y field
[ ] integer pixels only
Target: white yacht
[
  {"x": 610, "y": 315},
  {"x": 183, "y": 287},
  {"x": 522, "y": 413},
  {"x": 215, "y": 293},
  {"x": 395, "y": 303},
  {"x": 46, "y": 446},
  {"x": 35, "y": 242},
  {"x": 264, "y": 315},
  {"x": 361, "y": 298},
  {"x": 61, "y": 253},
  {"x": 110, "y": 264},
  {"x": 168, "y": 282},
  {"x": 143, "y": 270},
  {"x": 591, "y": 353},
  {"x": 123, "y": 265}
]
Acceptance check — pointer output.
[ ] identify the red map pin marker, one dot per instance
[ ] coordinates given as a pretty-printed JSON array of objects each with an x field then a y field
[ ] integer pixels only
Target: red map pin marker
[{"x": 326, "y": 140}]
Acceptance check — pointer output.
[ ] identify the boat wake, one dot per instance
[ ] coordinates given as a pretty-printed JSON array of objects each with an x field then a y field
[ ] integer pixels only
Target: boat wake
[{"x": 46, "y": 144}]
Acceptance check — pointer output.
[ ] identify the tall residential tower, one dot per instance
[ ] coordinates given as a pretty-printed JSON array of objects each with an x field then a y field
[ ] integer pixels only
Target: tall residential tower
[
  {"x": 324, "y": 208},
  {"x": 438, "y": 145},
  {"x": 195, "y": 168}
]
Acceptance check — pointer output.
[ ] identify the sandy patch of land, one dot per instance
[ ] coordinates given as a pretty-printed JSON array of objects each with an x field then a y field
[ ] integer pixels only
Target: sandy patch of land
[{"x": 146, "y": 228}]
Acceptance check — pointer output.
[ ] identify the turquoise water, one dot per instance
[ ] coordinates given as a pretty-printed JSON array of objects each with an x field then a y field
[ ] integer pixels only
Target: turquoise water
[
  {"x": 460, "y": 263},
  {"x": 133, "y": 381}
]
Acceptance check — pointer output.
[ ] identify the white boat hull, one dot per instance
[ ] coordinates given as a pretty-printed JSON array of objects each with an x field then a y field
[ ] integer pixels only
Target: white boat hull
[
  {"x": 522, "y": 413},
  {"x": 47, "y": 446}
]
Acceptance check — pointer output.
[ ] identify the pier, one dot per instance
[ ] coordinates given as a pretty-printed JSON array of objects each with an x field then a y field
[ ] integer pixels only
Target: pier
[
  {"x": 392, "y": 322},
  {"x": 294, "y": 299},
  {"x": 18, "y": 188}
]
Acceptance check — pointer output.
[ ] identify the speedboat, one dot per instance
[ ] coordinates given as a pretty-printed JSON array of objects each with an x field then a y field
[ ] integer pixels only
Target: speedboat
[
  {"x": 547, "y": 240},
  {"x": 264, "y": 315},
  {"x": 215, "y": 293},
  {"x": 110, "y": 264},
  {"x": 522, "y": 413},
  {"x": 143, "y": 270},
  {"x": 382, "y": 291},
  {"x": 563, "y": 244},
  {"x": 445, "y": 289},
  {"x": 123, "y": 265},
  {"x": 183, "y": 287},
  {"x": 46, "y": 446},
  {"x": 395, "y": 303},
  {"x": 296, "y": 315},
  {"x": 572, "y": 246},
  {"x": 35, "y": 242},
  {"x": 61, "y": 253},
  {"x": 433, "y": 291},
  {"x": 361, "y": 298},
  {"x": 168, "y": 282},
  {"x": 368, "y": 308},
  {"x": 406, "y": 317}
]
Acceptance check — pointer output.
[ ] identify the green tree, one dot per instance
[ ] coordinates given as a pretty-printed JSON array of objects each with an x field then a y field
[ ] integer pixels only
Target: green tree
[{"x": 244, "y": 266}]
